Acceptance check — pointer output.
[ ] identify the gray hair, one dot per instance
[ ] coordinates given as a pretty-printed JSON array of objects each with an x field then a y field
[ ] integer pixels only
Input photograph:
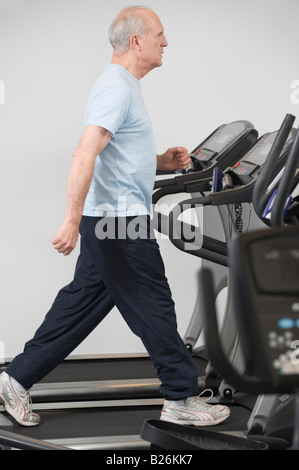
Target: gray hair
[{"x": 128, "y": 22}]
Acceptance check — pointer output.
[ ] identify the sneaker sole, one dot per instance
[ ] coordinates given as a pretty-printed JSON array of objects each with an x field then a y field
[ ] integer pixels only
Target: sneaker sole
[{"x": 194, "y": 423}]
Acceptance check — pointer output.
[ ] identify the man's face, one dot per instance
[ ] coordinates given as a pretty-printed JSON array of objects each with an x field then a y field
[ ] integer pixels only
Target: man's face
[{"x": 154, "y": 43}]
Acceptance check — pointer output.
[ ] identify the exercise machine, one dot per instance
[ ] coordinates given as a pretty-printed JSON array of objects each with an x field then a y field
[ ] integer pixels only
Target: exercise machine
[
  {"x": 258, "y": 259},
  {"x": 231, "y": 197},
  {"x": 264, "y": 281}
]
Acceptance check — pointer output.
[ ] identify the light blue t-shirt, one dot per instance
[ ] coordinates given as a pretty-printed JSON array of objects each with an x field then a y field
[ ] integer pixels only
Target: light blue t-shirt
[{"x": 124, "y": 174}]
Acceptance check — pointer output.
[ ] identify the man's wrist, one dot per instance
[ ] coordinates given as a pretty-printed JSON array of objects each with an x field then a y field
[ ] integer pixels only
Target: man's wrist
[{"x": 73, "y": 218}]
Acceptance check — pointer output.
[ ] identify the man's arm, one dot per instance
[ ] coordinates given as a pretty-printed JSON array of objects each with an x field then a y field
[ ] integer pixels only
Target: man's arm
[
  {"x": 176, "y": 158},
  {"x": 94, "y": 139}
]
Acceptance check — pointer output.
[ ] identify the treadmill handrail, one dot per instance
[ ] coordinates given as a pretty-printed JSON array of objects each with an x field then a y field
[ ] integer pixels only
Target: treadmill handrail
[
  {"x": 183, "y": 178},
  {"x": 211, "y": 249},
  {"x": 259, "y": 195},
  {"x": 165, "y": 191},
  {"x": 18, "y": 441},
  {"x": 196, "y": 185},
  {"x": 285, "y": 184},
  {"x": 210, "y": 253}
]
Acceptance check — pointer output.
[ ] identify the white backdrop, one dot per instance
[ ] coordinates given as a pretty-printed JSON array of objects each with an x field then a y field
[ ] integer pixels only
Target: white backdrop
[{"x": 226, "y": 60}]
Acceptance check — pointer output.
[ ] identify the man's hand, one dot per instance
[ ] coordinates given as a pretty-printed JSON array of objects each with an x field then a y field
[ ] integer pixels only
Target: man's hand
[
  {"x": 175, "y": 158},
  {"x": 66, "y": 237}
]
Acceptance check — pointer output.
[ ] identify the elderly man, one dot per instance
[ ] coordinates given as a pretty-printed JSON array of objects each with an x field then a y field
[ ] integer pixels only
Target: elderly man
[{"x": 109, "y": 203}]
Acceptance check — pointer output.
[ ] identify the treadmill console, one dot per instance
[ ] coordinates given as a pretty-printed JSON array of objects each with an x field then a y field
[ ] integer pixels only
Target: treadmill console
[
  {"x": 275, "y": 268},
  {"x": 228, "y": 140},
  {"x": 266, "y": 286},
  {"x": 250, "y": 165}
]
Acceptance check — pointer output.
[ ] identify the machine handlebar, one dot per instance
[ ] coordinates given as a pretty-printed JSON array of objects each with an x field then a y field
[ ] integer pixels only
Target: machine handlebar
[
  {"x": 259, "y": 194},
  {"x": 285, "y": 184}
]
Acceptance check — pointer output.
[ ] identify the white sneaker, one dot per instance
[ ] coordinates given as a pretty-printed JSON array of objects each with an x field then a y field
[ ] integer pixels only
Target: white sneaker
[
  {"x": 194, "y": 411},
  {"x": 17, "y": 402}
]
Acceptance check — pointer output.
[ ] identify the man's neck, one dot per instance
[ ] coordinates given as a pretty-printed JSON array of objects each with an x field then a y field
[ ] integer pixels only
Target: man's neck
[{"x": 130, "y": 63}]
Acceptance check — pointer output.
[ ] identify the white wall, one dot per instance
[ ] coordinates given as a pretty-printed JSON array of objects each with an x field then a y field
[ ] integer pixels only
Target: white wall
[{"x": 226, "y": 60}]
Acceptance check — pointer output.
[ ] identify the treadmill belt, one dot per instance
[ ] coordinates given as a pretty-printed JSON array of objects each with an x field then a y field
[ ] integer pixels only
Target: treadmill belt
[
  {"x": 84, "y": 423},
  {"x": 108, "y": 369},
  {"x": 93, "y": 422},
  {"x": 101, "y": 369}
]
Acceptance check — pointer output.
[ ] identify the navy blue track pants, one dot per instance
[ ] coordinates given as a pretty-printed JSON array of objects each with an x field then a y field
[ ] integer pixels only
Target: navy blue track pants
[{"x": 125, "y": 270}]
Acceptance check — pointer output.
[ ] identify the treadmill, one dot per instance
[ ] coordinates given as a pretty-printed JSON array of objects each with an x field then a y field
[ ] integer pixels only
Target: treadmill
[
  {"x": 107, "y": 407},
  {"x": 224, "y": 202},
  {"x": 272, "y": 417}
]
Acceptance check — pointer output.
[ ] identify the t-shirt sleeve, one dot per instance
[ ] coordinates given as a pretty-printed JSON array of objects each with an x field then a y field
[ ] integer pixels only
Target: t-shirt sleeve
[{"x": 109, "y": 107}]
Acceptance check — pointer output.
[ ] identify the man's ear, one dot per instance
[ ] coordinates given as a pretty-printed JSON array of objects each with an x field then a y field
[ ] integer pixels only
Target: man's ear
[{"x": 135, "y": 42}]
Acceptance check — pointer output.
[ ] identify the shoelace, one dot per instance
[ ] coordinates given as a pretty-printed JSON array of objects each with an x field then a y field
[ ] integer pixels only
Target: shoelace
[
  {"x": 205, "y": 391},
  {"x": 27, "y": 401},
  {"x": 203, "y": 401}
]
